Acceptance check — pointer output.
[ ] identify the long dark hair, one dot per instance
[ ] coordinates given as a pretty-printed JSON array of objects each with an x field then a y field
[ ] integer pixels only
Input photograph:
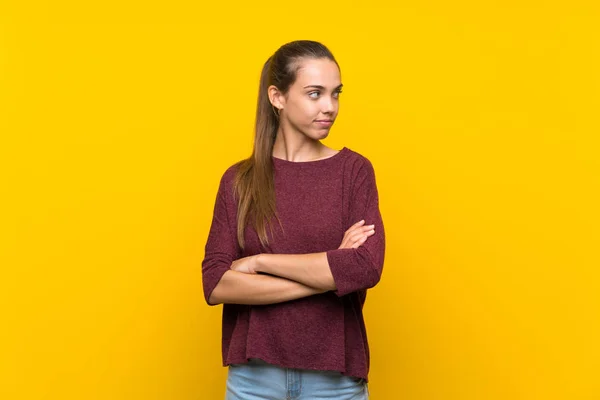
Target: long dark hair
[{"x": 253, "y": 183}]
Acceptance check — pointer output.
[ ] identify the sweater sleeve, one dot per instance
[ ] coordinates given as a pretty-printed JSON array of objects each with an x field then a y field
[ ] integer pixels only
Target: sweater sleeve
[
  {"x": 360, "y": 268},
  {"x": 221, "y": 246}
]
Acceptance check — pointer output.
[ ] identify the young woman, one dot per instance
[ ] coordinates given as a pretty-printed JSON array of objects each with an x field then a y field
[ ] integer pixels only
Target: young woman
[{"x": 293, "y": 295}]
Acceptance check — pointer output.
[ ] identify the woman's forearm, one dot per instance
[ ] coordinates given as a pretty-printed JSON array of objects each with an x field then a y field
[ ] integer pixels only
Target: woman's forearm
[
  {"x": 308, "y": 269},
  {"x": 240, "y": 288}
]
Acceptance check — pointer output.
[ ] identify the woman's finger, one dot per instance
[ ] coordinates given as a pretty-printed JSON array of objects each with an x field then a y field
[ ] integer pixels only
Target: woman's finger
[
  {"x": 360, "y": 238},
  {"x": 355, "y": 233},
  {"x": 355, "y": 236},
  {"x": 359, "y": 223},
  {"x": 361, "y": 233},
  {"x": 359, "y": 242},
  {"x": 358, "y": 230},
  {"x": 361, "y": 229}
]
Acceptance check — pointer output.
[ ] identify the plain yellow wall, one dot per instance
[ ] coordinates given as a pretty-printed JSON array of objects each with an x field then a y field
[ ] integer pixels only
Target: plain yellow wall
[{"x": 481, "y": 119}]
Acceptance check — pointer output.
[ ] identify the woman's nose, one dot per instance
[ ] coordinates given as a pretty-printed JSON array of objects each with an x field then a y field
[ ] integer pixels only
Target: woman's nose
[{"x": 328, "y": 106}]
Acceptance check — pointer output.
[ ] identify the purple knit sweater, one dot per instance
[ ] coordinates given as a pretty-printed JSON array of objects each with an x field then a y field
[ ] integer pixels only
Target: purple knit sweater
[{"x": 317, "y": 201}]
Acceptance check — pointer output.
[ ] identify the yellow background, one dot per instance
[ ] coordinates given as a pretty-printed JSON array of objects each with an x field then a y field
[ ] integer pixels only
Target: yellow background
[{"x": 481, "y": 119}]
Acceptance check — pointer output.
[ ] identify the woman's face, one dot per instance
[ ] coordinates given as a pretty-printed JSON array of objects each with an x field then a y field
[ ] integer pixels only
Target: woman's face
[{"x": 311, "y": 104}]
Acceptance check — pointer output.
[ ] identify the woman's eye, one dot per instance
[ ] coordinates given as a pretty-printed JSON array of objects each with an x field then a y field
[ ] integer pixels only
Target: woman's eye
[{"x": 315, "y": 95}]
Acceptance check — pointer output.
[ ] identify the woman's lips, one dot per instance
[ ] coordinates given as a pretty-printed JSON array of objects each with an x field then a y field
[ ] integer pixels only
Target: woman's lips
[{"x": 324, "y": 122}]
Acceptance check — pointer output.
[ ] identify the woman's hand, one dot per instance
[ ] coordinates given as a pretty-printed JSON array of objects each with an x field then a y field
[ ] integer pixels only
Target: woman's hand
[
  {"x": 356, "y": 235},
  {"x": 247, "y": 265}
]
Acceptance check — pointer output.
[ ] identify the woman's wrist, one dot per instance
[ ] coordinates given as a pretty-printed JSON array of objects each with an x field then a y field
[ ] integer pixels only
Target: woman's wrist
[{"x": 259, "y": 262}]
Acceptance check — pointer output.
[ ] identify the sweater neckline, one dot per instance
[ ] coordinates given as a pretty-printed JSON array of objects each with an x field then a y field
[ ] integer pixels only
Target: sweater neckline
[{"x": 281, "y": 161}]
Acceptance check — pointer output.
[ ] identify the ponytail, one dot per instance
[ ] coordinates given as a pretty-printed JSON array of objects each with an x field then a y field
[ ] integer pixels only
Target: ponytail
[{"x": 254, "y": 181}]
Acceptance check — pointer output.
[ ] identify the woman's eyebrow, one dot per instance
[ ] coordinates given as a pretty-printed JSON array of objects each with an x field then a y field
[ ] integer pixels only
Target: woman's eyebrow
[{"x": 322, "y": 87}]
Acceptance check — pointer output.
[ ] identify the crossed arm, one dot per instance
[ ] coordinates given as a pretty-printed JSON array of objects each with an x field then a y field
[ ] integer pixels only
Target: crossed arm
[
  {"x": 253, "y": 288},
  {"x": 291, "y": 276}
]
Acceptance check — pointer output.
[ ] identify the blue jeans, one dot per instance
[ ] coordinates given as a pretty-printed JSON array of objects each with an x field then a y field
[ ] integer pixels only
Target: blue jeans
[{"x": 258, "y": 380}]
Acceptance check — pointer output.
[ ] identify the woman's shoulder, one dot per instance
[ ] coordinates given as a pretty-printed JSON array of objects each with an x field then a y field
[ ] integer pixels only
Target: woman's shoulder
[
  {"x": 355, "y": 155},
  {"x": 226, "y": 177},
  {"x": 229, "y": 173},
  {"x": 357, "y": 161}
]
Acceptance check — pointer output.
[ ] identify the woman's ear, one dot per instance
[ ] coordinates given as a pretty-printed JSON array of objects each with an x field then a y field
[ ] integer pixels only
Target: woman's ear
[{"x": 275, "y": 97}]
